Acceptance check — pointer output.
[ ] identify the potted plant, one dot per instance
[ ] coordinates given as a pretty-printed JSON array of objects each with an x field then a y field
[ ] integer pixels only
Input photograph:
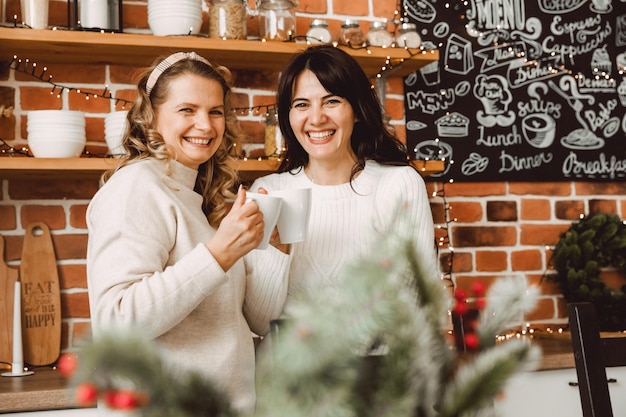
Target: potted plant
[{"x": 589, "y": 246}]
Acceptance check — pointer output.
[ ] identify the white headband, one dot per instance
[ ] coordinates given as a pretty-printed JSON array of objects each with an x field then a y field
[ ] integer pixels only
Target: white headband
[{"x": 168, "y": 62}]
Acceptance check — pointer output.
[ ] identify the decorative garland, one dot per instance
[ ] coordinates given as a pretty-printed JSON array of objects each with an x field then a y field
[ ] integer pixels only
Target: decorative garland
[{"x": 595, "y": 242}]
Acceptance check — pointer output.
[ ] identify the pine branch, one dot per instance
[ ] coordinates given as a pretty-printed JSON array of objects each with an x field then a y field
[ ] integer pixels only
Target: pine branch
[{"x": 477, "y": 382}]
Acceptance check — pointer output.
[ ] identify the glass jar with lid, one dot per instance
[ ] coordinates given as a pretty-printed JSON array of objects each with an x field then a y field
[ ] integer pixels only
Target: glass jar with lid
[
  {"x": 407, "y": 36},
  {"x": 277, "y": 19},
  {"x": 378, "y": 34},
  {"x": 273, "y": 147},
  {"x": 351, "y": 34},
  {"x": 227, "y": 19},
  {"x": 318, "y": 32}
]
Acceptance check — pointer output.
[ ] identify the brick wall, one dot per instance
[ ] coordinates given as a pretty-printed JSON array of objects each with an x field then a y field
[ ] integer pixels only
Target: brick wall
[{"x": 498, "y": 229}]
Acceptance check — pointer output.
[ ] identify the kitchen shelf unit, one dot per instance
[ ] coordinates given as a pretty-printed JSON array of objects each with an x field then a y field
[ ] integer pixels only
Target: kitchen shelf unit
[
  {"x": 19, "y": 167},
  {"x": 136, "y": 50},
  {"x": 82, "y": 47}
]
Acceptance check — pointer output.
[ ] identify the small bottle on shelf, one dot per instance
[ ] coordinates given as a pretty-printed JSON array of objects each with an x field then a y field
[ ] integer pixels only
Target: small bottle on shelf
[
  {"x": 273, "y": 137},
  {"x": 378, "y": 34},
  {"x": 318, "y": 32},
  {"x": 351, "y": 34},
  {"x": 407, "y": 36}
]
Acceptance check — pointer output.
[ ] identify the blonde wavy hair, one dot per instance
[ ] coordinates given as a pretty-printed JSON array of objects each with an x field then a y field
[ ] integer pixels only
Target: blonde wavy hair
[{"x": 216, "y": 179}]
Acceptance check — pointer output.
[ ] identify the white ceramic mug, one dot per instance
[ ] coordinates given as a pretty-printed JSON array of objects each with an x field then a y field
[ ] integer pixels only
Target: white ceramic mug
[
  {"x": 293, "y": 221},
  {"x": 270, "y": 206},
  {"x": 35, "y": 13}
]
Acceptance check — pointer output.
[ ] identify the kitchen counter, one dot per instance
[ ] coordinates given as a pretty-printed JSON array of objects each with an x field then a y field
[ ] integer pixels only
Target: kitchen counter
[
  {"x": 47, "y": 390},
  {"x": 44, "y": 390}
]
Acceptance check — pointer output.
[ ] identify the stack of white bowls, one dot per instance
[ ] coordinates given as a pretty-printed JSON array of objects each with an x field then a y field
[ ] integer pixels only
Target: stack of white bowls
[
  {"x": 114, "y": 128},
  {"x": 180, "y": 17},
  {"x": 56, "y": 133}
]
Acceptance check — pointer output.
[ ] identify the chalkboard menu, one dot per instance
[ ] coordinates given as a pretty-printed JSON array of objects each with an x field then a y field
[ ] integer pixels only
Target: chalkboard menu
[{"x": 524, "y": 90}]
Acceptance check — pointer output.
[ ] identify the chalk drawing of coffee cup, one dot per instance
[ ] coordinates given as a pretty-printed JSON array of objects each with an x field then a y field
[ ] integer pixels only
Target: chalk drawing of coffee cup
[
  {"x": 539, "y": 130},
  {"x": 601, "y": 6},
  {"x": 430, "y": 73}
]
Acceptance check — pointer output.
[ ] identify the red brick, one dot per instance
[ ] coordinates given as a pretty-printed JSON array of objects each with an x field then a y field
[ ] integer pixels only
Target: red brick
[
  {"x": 125, "y": 98},
  {"x": 544, "y": 310},
  {"x": 597, "y": 206},
  {"x": 438, "y": 212},
  {"x": 545, "y": 234},
  {"x": 75, "y": 305},
  {"x": 135, "y": 16},
  {"x": 353, "y": 8},
  {"x": 465, "y": 212},
  {"x": 441, "y": 237},
  {"x": 475, "y": 189},
  {"x": 82, "y": 333},
  {"x": 458, "y": 261},
  {"x": 13, "y": 247},
  {"x": 262, "y": 101},
  {"x": 36, "y": 189},
  {"x": 491, "y": 261},
  {"x": 312, "y": 6},
  {"x": 77, "y": 216},
  {"x": 72, "y": 276},
  {"x": 385, "y": 9},
  {"x": 264, "y": 80},
  {"x": 53, "y": 216},
  {"x": 535, "y": 209},
  {"x": 254, "y": 131},
  {"x": 541, "y": 188},
  {"x": 526, "y": 260},
  {"x": 7, "y": 127},
  {"x": 395, "y": 85},
  {"x": 501, "y": 211},
  {"x": 37, "y": 98},
  {"x": 569, "y": 209},
  {"x": 88, "y": 103},
  {"x": 8, "y": 220},
  {"x": 471, "y": 236},
  {"x": 70, "y": 246},
  {"x": 395, "y": 108},
  {"x": 597, "y": 188}
]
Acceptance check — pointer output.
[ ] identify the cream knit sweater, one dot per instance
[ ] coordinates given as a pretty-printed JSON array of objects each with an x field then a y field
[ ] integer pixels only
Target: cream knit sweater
[
  {"x": 347, "y": 224},
  {"x": 147, "y": 265}
]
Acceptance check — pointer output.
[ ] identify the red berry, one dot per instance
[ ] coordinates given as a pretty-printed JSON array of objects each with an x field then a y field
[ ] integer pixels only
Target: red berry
[
  {"x": 459, "y": 294},
  {"x": 460, "y": 308},
  {"x": 481, "y": 303},
  {"x": 478, "y": 288},
  {"x": 471, "y": 341},
  {"x": 86, "y": 394},
  {"x": 67, "y": 364},
  {"x": 122, "y": 399}
]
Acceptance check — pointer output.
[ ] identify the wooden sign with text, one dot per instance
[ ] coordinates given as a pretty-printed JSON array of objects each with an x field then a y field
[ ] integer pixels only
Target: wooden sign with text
[{"x": 41, "y": 297}]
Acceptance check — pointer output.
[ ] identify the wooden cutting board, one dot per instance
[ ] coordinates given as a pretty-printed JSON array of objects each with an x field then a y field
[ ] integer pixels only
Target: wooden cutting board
[
  {"x": 8, "y": 276},
  {"x": 41, "y": 297}
]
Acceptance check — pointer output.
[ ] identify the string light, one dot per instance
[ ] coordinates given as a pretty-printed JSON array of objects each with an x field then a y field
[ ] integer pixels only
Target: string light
[{"x": 29, "y": 68}]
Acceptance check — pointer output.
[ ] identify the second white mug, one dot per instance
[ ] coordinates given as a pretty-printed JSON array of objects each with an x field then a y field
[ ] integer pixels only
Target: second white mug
[{"x": 293, "y": 221}]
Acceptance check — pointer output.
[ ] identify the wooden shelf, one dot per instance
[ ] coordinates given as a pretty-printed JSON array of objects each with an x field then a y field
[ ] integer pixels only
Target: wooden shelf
[
  {"x": 48, "y": 46},
  {"x": 91, "y": 168}
]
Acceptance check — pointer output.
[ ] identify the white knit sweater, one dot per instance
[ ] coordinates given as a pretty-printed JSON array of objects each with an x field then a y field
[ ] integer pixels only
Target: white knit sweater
[
  {"x": 346, "y": 224},
  {"x": 147, "y": 265}
]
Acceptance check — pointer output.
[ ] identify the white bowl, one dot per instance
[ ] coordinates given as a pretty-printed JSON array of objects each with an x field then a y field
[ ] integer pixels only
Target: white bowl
[
  {"x": 56, "y": 116},
  {"x": 56, "y": 149},
  {"x": 174, "y": 25}
]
